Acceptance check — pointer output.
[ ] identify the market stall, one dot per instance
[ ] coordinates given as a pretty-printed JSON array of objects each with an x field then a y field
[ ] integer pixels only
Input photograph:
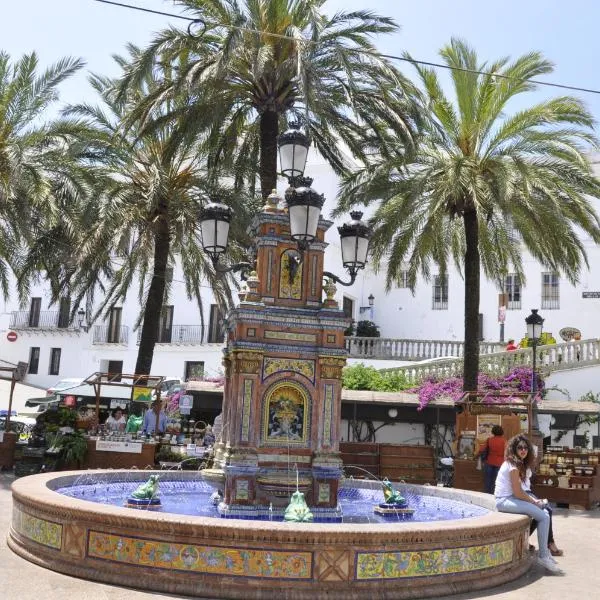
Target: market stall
[{"x": 8, "y": 438}]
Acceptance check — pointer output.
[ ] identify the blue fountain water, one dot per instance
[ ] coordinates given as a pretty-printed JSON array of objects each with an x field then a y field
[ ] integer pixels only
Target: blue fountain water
[{"x": 193, "y": 498}]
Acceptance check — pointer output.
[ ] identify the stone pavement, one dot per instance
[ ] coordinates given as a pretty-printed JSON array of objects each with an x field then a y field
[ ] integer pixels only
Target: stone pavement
[{"x": 576, "y": 531}]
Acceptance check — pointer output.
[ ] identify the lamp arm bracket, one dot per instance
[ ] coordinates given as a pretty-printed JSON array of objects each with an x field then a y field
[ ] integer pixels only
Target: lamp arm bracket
[
  {"x": 244, "y": 268},
  {"x": 338, "y": 280}
]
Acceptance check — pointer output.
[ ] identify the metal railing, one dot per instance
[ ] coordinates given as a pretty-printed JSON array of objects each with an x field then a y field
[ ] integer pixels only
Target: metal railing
[
  {"x": 113, "y": 335},
  {"x": 555, "y": 357},
  {"x": 181, "y": 334},
  {"x": 48, "y": 319},
  {"x": 401, "y": 349}
]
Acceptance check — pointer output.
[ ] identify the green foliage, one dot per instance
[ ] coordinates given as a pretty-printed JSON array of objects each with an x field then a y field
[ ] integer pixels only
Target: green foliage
[
  {"x": 367, "y": 329},
  {"x": 361, "y": 377},
  {"x": 73, "y": 447},
  {"x": 480, "y": 173}
]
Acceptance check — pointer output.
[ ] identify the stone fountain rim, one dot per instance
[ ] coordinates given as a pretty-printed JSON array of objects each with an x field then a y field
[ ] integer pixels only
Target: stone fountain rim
[{"x": 38, "y": 492}]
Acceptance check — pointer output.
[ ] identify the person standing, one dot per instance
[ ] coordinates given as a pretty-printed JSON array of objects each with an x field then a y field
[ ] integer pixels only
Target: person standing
[
  {"x": 116, "y": 421},
  {"x": 511, "y": 498},
  {"x": 152, "y": 416},
  {"x": 493, "y": 457},
  {"x": 511, "y": 345}
]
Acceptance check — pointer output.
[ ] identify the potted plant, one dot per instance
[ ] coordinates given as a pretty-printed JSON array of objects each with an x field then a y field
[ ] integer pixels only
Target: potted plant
[{"x": 72, "y": 449}]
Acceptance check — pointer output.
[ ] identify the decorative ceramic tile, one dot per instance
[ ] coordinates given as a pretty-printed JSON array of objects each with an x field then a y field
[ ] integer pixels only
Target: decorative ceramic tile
[
  {"x": 241, "y": 489},
  {"x": 313, "y": 278},
  {"x": 246, "y": 409},
  {"x": 290, "y": 336},
  {"x": 285, "y": 417},
  {"x": 43, "y": 532},
  {"x": 331, "y": 338},
  {"x": 324, "y": 493},
  {"x": 290, "y": 275},
  {"x": 428, "y": 563},
  {"x": 269, "y": 271},
  {"x": 212, "y": 560},
  {"x": 327, "y": 414},
  {"x": 296, "y": 365},
  {"x": 251, "y": 332}
]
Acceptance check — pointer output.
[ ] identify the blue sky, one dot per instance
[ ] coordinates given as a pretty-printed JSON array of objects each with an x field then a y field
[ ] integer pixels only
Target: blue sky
[{"x": 565, "y": 32}]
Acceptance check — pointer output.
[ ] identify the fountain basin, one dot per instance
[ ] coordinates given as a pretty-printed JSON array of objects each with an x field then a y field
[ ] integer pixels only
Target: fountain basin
[{"x": 231, "y": 558}]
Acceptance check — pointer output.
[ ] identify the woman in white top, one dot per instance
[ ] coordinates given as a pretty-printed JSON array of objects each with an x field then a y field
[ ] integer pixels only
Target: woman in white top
[
  {"x": 116, "y": 421},
  {"x": 511, "y": 497}
]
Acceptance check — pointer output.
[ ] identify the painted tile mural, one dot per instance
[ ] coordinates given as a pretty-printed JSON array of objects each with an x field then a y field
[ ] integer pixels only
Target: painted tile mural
[
  {"x": 428, "y": 563},
  {"x": 38, "y": 530},
  {"x": 275, "y": 365},
  {"x": 213, "y": 560}
]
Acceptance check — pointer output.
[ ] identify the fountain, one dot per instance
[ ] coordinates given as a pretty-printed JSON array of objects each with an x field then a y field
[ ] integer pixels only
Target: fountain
[{"x": 281, "y": 413}]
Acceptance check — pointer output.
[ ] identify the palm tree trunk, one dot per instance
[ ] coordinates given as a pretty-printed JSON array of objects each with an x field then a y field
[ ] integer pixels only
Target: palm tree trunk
[
  {"x": 269, "y": 130},
  {"x": 154, "y": 302},
  {"x": 472, "y": 277}
]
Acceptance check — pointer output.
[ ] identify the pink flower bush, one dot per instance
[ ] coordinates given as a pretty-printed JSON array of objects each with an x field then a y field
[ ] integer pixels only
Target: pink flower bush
[{"x": 518, "y": 380}]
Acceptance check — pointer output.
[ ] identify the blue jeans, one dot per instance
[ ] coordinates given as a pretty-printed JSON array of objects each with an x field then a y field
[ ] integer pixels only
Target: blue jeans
[
  {"x": 489, "y": 475},
  {"x": 521, "y": 507}
]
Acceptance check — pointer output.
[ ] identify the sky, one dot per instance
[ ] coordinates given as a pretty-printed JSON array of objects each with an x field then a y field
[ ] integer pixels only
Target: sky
[{"x": 565, "y": 32}]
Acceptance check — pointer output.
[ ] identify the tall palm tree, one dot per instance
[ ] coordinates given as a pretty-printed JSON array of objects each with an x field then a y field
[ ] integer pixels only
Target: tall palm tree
[
  {"x": 31, "y": 160},
  {"x": 479, "y": 174},
  {"x": 262, "y": 60},
  {"x": 142, "y": 212}
]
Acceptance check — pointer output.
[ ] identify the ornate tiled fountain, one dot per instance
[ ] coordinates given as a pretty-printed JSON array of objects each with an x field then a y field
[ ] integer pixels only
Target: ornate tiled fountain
[{"x": 283, "y": 360}]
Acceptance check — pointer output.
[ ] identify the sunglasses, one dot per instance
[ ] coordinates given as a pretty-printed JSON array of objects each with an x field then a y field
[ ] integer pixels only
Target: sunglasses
[{"x": 522, "y": 447}]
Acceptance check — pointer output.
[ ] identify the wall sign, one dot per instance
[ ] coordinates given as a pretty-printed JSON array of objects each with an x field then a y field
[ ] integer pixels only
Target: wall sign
[
  {"x": 130, "y": 447},
  {"x": 12, "y": 336},
  {"x": 590, "y": 294}
]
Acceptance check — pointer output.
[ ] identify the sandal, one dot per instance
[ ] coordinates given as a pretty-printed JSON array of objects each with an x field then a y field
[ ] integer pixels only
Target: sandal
[
  {"x": 531, "y": 548},
  {"x": 556, "y": 551}
]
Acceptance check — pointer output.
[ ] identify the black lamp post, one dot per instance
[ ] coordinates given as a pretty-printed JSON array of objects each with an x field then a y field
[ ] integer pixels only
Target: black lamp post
[
  {"x": 534, "y": 324},
  {"x": 304, "y": 209},
  {"x": 81, "y": 319}
]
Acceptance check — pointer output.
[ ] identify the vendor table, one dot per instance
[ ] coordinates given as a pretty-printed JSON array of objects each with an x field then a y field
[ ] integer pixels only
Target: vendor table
[
  {"x": 106, "y": 455},
  {"x": 466, "y": 475}
]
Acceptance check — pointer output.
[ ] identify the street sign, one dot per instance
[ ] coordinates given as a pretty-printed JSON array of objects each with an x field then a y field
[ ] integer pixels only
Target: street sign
[
  {"x": 12, "y": 336},
  {"x": 590, "y": 294}
]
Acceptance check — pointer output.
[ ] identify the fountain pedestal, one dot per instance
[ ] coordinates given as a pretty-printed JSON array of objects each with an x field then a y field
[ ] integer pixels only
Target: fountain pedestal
[{"x": 282, "y": 398}]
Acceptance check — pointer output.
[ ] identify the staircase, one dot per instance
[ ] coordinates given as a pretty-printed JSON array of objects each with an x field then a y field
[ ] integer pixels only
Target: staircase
[{"x": 556, "y": 357}]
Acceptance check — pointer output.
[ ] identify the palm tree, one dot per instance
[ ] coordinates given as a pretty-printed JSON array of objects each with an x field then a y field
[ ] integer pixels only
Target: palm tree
[
  {"x": 31, "y": 162},
  {"x": 142, "y": 211},
  {"x": 262, "y": 60},
  {"x": 478, "y": 175}
]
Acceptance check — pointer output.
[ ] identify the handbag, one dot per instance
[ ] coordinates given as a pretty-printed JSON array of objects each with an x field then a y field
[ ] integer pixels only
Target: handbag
[{"x": 485, "y": 452}]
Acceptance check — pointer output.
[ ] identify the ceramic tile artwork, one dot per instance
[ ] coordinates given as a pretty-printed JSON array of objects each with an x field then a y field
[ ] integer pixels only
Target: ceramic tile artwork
[
  {"x": 327, "y": 414},
  {"x": 296, "y": 365},
  {"x": 290, "y": 336},
  {"x": 43, "y": 532},
  {"x": 242, "y": 489},
  {"x": 428, "y": 563},
  {"x": 214, "y": 560},
  {"x": 246, "y": 408}
]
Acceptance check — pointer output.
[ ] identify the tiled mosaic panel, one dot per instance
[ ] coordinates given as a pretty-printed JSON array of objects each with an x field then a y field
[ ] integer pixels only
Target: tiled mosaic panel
[
  {"x": 38, "y": 530},
  {"x": 427, "y": 563},
  {"x": 213, "y": 560}
]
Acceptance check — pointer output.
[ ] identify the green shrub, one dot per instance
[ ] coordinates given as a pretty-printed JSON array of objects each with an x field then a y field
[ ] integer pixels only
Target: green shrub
[
  {"x": 367, "y": 329},
  {"x": 360, "y": 377}
]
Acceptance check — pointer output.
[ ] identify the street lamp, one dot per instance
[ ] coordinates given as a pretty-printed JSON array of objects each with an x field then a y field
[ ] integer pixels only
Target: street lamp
[
  {"x": 293, "y": 151},
  {"x": 354, "y": 238},
  {"x": 371, "y": 300},
  {"x": 304, "y": 208},
  {"x": 81, "y": 319},
  {"x": 534, "y": 324}
]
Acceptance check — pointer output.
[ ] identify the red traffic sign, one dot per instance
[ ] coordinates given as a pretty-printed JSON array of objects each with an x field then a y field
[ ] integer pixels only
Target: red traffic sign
[{"x": 12, "y": 336}]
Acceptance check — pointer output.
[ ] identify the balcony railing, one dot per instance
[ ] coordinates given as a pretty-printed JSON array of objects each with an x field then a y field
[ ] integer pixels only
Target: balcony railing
[
  {"x": 182, "y": 334},
  {"x": 50, "y": 319},
  {"x": 114, "y": 335},
  {"x": 401, "y": 349},
  {"x": 555, "y": 357}
]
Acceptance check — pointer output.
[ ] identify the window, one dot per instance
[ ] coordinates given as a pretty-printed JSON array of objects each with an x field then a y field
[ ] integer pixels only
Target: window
[
  {"x": 215, "y": 326},
  {"x": 348, "y": 307},
  {"x": 34, "y": 360},
  {"x": 114, "y": 326},
  {"x": 165, "y": 325},
  {"x": 54, "y": 361},
  {"x": 115, "y": 367},
  {"x": 440, "y": 292},
  {"x": 550, "y": 291},
  {"x": 194, "y": 370},
  {"x": 403, "y": 281},
  {"x": 512, "y": 285},
  {"x": 34, "y": 312},
  {"x": 63, "y": 313}
]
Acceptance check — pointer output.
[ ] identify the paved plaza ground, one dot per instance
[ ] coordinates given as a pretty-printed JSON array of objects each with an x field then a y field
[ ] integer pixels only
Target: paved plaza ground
[{"x": 576, "y": 531}]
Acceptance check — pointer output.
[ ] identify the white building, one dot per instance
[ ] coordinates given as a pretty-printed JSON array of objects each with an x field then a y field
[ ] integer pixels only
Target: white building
[{"x": 56, "y": 349}]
